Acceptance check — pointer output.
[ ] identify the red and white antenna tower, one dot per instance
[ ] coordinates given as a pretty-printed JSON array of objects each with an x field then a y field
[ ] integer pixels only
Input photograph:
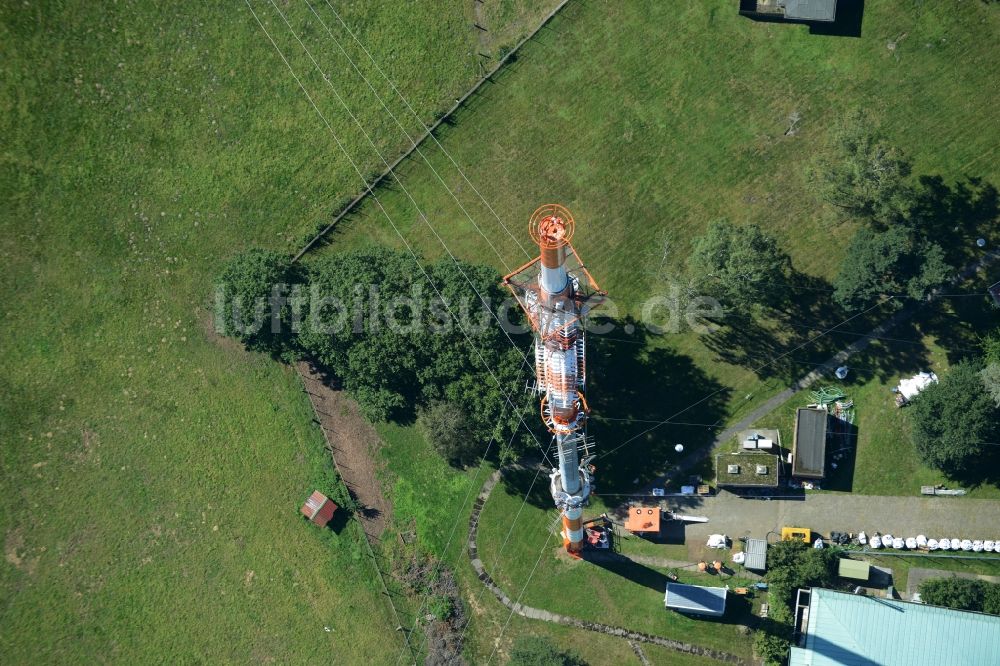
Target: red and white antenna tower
[{"x": 557, "y": 292}]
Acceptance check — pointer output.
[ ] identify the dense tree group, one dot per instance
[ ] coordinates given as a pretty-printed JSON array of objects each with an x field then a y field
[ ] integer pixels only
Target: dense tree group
[
  {"x": 403, "y": 339},
  {"x": 867, "y": 179}
]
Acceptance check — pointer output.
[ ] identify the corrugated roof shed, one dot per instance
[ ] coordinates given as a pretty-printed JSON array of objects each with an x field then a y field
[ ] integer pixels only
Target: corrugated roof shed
[
  {"x": 756, "y": 551},
  {"x": 855, "y": 569},
  {"x": 809, "y": 454},
  {"x": 854, "y": 630},
  {"x": 811, "y": 10},
  {"x": 696, "y": 599}
]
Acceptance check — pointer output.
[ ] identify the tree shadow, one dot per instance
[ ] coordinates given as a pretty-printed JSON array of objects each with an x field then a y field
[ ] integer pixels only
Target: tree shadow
[
  {"x": 955, "y": 214},
  {"x": 804, "y": 331},
  {"x": 637, "y": 384},
  {"x": 958, "y": 323},
  {"x": 530, "y": 482}
]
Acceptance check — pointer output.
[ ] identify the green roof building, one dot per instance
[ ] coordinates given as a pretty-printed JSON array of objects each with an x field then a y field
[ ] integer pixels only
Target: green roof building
[{"x": 841, "y": 629}]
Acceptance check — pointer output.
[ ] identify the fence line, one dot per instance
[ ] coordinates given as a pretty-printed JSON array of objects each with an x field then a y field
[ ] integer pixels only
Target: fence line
[{"x": 423, "y": 137}]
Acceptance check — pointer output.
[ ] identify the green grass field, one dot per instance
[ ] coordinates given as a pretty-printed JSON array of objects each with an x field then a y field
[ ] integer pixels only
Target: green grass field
[{"x": 153, "y": 472}]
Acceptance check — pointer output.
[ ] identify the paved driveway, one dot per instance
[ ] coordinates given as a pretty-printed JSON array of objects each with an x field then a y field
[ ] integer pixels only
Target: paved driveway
[{"x": 935, "y": 517}]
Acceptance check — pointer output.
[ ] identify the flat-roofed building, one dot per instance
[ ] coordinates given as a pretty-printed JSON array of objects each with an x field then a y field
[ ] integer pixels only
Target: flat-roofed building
[{"x": 809, "y": 444}]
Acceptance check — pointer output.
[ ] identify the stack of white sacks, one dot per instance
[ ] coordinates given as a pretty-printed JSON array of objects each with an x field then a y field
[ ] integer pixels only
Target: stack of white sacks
[{"x": 920, "y": 542}]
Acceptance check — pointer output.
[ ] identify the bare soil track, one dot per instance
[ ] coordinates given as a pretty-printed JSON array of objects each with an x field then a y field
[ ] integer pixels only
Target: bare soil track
[{"x": 352, "y": 442}]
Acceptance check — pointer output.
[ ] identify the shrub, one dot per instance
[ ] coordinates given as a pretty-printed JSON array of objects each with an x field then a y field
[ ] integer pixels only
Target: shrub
[
  {"x": 446, "y": 426},
  {"x": 771, "y": 648},
  {"x": 529, "y": 650},
  {"x": 959, "y": 593}
]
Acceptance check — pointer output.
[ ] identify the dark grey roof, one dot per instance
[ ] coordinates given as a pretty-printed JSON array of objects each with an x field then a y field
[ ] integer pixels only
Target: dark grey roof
[
  {"x": 811, "y": 10},
  {"x": 810, "y": 443},
  {"x": 756, "y": 551},
  {"x": 696, "y": 599}
]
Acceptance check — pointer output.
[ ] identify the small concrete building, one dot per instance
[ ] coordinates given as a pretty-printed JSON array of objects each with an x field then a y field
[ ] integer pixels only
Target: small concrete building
[{"x": 695, "y": 599}]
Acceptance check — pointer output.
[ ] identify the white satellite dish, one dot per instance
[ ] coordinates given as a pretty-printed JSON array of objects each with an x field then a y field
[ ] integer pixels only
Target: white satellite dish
[
  {"x": 981, "y": 242},
  {"x": 679, "y": 448}
]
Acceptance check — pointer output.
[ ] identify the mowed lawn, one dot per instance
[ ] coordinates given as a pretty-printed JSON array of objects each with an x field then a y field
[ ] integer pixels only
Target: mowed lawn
[{"x": 152, "y": 471}]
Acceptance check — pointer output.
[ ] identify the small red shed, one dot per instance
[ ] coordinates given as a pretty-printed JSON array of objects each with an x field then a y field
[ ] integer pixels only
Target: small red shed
[{"x": 319, "y": 508}]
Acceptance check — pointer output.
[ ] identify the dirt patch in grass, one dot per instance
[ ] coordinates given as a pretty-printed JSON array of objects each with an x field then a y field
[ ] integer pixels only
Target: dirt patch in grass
[{"x": 16, "y": 554}]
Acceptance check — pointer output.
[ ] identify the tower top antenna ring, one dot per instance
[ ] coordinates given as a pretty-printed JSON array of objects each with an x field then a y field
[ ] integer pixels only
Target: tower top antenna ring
[{"x": 551, "y": 226}]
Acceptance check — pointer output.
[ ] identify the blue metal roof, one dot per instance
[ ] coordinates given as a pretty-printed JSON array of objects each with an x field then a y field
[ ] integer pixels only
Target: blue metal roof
[{"x": 853, "y": 630}]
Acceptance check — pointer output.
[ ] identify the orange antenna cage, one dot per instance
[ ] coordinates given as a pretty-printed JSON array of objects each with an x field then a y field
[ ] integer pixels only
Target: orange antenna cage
[{"x": 551, "y": 226}]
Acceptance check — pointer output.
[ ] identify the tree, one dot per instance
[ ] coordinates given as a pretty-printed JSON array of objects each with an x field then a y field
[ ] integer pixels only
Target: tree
[
  {"x": 254, "y": 288},
  {"x": 531, "y": 650},
  {"x": 860, "y": 173},
  {"x": 794, "y": 564},
  {"x": 955, "y": 423},
  {"x": 739, "y": 264},
  {"x": 892, "y": 261},
  {"x": 446, "y": 426},
  {"x": 991, "y": 379},
  {"x": 991, "y": 347}
]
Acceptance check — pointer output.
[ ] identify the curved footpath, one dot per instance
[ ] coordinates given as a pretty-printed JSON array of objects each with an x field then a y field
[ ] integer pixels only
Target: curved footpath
[{"x": 546, "y": 616}]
